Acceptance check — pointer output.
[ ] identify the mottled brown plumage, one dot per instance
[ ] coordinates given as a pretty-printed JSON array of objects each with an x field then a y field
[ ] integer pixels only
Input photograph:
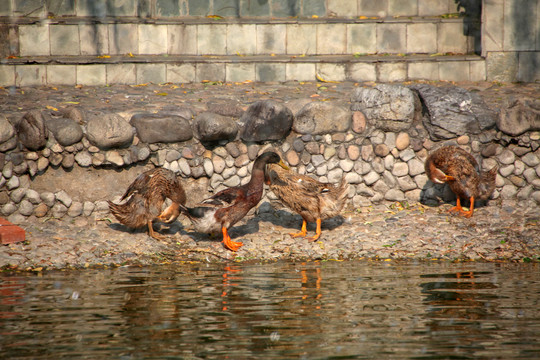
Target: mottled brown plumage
[
  {"x": 313, "y": 200},
  {"x": 459, "y": 169},
  {"x": 145, "y": 198},
  {"x": 229, "y": 206}
]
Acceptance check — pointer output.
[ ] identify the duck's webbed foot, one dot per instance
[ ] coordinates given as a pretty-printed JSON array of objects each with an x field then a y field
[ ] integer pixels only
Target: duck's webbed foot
[
  {"x": 229, "y": 244},
  {"x": 303, "y": 231},
  {"x": 317, "y": 232}
]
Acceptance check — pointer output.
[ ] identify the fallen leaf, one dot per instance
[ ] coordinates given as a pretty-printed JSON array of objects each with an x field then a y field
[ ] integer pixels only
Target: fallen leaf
[
  {"x": 51, "y": 108},
  {"x": 104, "y": 56}
]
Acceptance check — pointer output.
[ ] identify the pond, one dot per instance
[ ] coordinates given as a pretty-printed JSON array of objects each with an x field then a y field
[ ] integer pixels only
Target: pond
[{"x": 314, "y": 310}]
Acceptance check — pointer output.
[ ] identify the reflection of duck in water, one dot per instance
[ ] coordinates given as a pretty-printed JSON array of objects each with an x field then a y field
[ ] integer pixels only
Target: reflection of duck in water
[
  {"x": 227, "y": 207},
  {"x": 145, "y": 198},
  {"x": 458, "y": 168},
  {"x": 310, "y": 198}
]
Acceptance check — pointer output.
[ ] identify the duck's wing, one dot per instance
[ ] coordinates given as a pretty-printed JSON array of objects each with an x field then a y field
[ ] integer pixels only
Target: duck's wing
[
  {"x": 139, "y": 185},
  {"x": 226, "y": 197}
]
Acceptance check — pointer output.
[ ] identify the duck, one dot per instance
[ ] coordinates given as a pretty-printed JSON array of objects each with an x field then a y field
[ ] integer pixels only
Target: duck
[
  {"x": 225, "y": 208},
  {"x": 145, "y": 198},
  {"x": 456, "y": 167},
  {"x": 313, "y": 200}
]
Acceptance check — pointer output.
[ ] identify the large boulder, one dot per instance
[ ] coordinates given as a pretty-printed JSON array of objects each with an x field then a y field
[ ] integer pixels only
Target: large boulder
[
  {"x": 265, "y": 120},
  {"x": 32, "y": 131},
  {"x": 161, "y": 128},
  {"x": 450, "y": 112},
  {"x": 387, "y": 107},
  {"x": 108, "y": 130},
  {"x": 322, "y": 118},
  {"x": 66, "y": 131},
  {"x": 519, "y": 116},
  {"x": 8, "y": 140},
  {"x": 225, "y": 107},
  {"x": 211, "y": 127}
]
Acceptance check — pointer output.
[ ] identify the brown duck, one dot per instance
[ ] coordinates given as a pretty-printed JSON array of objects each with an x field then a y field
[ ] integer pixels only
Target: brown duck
[
  {"x": 458, "y": 168},
  {"x": 227, "y": 207},
  {"x": 313, "y": 200},
  {"x": 145, "y": 198}
]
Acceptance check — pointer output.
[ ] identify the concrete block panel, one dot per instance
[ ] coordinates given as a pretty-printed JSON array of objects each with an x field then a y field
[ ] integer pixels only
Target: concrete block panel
[
  {"x": 301, "y": 39},
  {"x": 239, "y": 72},
  {"x": 7, "y": 75},
  {"x": 332, "y": 72},
  {"x": 212, "y": 39},
  {"x": 300, "y": 72},
  {"x": 152, "y": 39},
  {"x": 389, "y": 72},
  {"x": 64, "y": 39},
  {"x": 493, "y": 25},
  {"x": 423, "y": 71},
  {"x": 181, "y": 73},
  {"x": 270, "y": 72},
  {"x": 362, "y": 38},
  {"x": 454, "y": 70},
  {"x": 529, "y": 66},
  {"x": 502, "y": 66},
  {"x": 30, "y": 75},
  {"x": 345, "y": 8},
  {"x": 392, "y": 38},
  {"x": 373, "y": 8},
  {"x": 520, "y": 25},
  {"x": 94, "y": 39},
  {"x": 477, "y": 70},
  {"x": 331, "y": 39},
  {"x": 151, "y": 73},
  {"x": 123, "y": 39},
  {"x": 91, "y": 75},
  {"x": 362, "y": 72},
  {"x": 62, "y": 74},
  {"x": 402, "y": 7},
  {"x": 124, "y": 74},
  {"x": 422, "y": 38},
  {"x": 210, "y": 72},
  {"x": 182, "y": 39},
  {"x": 433, "y": 7},
  {"x": 271, "y": 39},
  {"x": 241, "y": 39},
  {"x": 34, "y": 40},
  {"x": 451, "y": 38}
]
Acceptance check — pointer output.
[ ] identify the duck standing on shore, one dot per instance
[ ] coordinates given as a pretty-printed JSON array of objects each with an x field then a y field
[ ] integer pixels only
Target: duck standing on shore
[
  {"x": 145, "y": 198},
  {"x": 458, "y": 168},
  {"x": 227, "y": 207},
  {"x": 313, "y": 200}
]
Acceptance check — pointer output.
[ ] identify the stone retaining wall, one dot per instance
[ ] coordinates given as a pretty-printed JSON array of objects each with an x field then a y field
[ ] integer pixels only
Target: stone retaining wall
[{"x": 68, "y": 162}]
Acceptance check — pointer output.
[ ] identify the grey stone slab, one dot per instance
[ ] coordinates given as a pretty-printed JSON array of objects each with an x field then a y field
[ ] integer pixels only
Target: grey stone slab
[
  {"x": 241, "y": 39},
  {"x": 331, "y": 39},
  {"x": 285, "y": 8},
  {"x": 91, "y": 75},
  {"x": 198, "y": 7},
  {"x": 97, "y": 8},
  {"x": 182, "y": 39},
  {"x": 332, "y": 72},
  {"x": 255, "y": 8},
  {"x": 34, "y": 40},
  {"x": 61, "y": 7},
  {"x": 344, "y": 8},
  {"x": 239, "y": 72},
  {"x": 30, "y": 75},
  {"x": 477, "y": 70},
  {"x": 454, "y": 70},
  {"x": 451, "y": 38},
  {"x": 520, "y": 22},
  {"x": 391, "y": 38},
  {"x": 423, "y": 71},
  {"x": 212, "y": 39},
  {"x": 210, "y": 72},
  {"x": 270, "y": 72},
  {"x": 314, "y": 7},
  {"x": 402, "y": 8},
  {"x": 373, "y": 8},
  {"x": 390, "y": 72},
  {"x": 227, "y": 7},
  {"x": 362, "y": 38},
  {"x": 422, "y": 38},
  {"x": 31, "y": 8},
  {"x": 300, "y": 72},
  {"x": 64, "y": 39},
  {"x": 362, "y": 72},
  {"x": 529, "y": 66},
  {"x": 7, "y": 75},
  {"x": 301, "y": 39},
  {"x": 432, "y": 7},
  {"x": 61, "y": 74},
  {"x": 124, "y": 74},
  {"x": 152, "y": 39},
  {"x": 124, "y": 8},
  {"x": 94, "y": 39},
  {"x": 181, "y": 73},
  {"x": 151, "y": 73},
  {"x": 123, "y": 39},
  {"x": 5, "y": 8},
  {"x": 171, "y": 8},
  {"x": 271, "y": 39},
  {"x": 502, "y": 66}
]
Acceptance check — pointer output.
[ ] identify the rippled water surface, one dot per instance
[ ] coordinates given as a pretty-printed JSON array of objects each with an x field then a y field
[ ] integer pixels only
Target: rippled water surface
[{"x": 316, "y": 310}]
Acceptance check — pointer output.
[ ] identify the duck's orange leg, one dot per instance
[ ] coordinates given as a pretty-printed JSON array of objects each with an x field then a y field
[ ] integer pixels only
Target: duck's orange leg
[
  {"x": 152, "y": 233},
  {"x": 317, "y": 232},
  {"x": 469, "y": 213},
  {"x": 302, "y": 232},
  {"x": 456, "y": 208},
  {"x": 229, "y": 244}
]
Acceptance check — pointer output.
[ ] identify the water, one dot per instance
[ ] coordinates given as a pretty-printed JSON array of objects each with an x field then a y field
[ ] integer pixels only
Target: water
[{"x": 316, "y": 310}]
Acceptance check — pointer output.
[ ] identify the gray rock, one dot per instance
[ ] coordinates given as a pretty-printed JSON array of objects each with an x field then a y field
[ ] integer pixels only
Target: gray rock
[
  {"x": 211, "y": 127},
  {"x": 184, "y": 167},
  {"x": 507, "y": 157},
  {"x": 161, "y": 128},
  {"x": 76, "y": 209},
  {"x": 453, "y": 111},
  {"x": 322, "y": 118},
  {"x": 265, "y": 120},
  {"x": 400, "y": 169},
  {"x": 32, "y": 196},
  {"x": 17, "y": 195},
  {"x": 32, "y": 131},
  {"x": 9, "y": 209},
  {"x": 406, "y": 183},
  {"x": 415, "y": 167},
  {"x": 65, "y": 130},
  {"x": 8, "y": 139},
  {"x": 101, "y": 208},
  {"x": 88, "y": 208},
  {"x": 225, "y": 107},
  {"x": 519, "y": 115},
  {"x": 64, "y": 198},
  {"x": 531, "y": 159},
  {"x": 83, "y": 158},
  {"x": 108, "y": 130},
  {"x": 26, "y": 208},
  {"x": 335, "y": 176},
  {"x": 371, "y": 177},
  {"x": 394, "y": 195},
  {"x": 387, "y": 107},
  {"x": 58, "y": 210},
  {"x": 68, "y": 161},
  {"x": 13, "y": 183},
  {"x": 143, "y": 153},
  {"x": 114, "y": 158},
  {"x": 48, "y": 198},
  {"x": 208, "y": 167}
]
